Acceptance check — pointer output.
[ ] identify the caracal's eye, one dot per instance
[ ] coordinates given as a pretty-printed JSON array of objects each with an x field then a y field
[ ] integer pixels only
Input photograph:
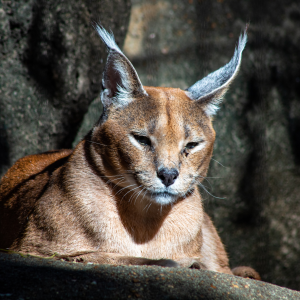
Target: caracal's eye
[
  {"x": 143, "y": 140},
  {"x": 191, "y": 145}
]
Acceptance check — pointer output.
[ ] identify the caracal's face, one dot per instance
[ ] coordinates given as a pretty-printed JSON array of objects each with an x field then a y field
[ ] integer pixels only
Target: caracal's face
[
  {"x": 157, "y": 141},
  {"x": 158, "y": 145}
]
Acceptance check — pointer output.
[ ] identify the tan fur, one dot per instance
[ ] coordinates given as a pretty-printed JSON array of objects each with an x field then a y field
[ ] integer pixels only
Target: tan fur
[
  {"x": 90, "y": 203},
  {"x": 246, "y": 272}
]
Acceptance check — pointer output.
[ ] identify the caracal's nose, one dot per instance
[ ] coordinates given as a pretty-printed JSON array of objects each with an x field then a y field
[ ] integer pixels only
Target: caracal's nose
[{"x": 168, "y": 176}]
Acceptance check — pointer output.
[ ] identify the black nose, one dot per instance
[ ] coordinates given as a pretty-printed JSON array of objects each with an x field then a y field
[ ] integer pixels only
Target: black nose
[{"x": 167, "y": 176}]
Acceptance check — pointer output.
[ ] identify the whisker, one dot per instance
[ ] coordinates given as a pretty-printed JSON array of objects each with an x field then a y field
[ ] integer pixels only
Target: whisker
[
  {"x": 211, "y": 177},
  {"x": 203, "y": 185},
  {"x": 218, "y": 162},
  {"x": 133, "y": 193},
  {"x": 138, "y": 194},
  {"x": 148, "y": 206},
  {"x": 144, "y": 194},
  {"x": 208, "y": 182},
  {"x": 209, "y": 192},
  {"x": 205, "y": 178},
  {"x": 116, "y": 184},
  {"x": 130, "y": 191},
  {"x": 124, "y": 188}
]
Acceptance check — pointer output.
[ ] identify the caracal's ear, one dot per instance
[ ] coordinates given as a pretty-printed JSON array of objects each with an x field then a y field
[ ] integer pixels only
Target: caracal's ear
[
  {"x": 120, "y": 83},
  {"x": 210, "y": 90}
]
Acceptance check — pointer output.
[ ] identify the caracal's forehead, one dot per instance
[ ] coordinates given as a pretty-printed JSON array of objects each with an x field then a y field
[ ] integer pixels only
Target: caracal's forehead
[{"x": 166, "y": 113}]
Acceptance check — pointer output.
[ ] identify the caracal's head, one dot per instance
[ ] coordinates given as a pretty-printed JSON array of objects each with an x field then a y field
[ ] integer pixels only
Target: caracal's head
[{"x": 156, "y": 142}]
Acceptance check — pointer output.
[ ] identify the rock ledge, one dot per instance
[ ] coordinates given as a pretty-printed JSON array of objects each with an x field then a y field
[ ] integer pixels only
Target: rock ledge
[{"x": 29, "y": 277}]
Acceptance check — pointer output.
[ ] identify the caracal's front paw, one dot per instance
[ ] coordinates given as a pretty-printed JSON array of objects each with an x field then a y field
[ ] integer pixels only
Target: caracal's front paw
[
  {"x": 186, "y": 262},
  {"x": 246, "y": 272},
  {"x": 163, "y": 263},
  {"x": 191, "y": 263}
]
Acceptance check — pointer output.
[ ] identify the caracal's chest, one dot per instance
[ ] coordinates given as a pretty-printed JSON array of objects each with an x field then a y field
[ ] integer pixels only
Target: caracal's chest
[
  {"x": 121, "y": 231},
  {"x": 115, "y": 233},
  {"x": 171, "y": 239}
]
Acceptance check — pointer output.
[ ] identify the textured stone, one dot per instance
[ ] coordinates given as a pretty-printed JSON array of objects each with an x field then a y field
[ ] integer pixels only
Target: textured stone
[
  {"x": 35, "y": 278},
  {"x": 51, "y": 62}
]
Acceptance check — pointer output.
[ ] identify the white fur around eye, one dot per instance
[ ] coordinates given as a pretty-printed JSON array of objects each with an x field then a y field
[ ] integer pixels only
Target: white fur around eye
[
  {"x": 198, "y": 147},
  {"x": 135, "y": 142}
]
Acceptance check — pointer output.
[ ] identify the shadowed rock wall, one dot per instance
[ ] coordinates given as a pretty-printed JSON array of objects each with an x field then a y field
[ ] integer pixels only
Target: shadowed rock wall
[{"x": 50, "y": 67}]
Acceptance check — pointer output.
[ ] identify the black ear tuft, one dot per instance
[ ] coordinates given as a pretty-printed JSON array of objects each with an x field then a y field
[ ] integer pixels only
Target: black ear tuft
[{"x": 120, "y": 80}]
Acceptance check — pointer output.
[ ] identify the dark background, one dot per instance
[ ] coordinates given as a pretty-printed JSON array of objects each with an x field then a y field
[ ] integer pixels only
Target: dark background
[{"x": 50, "y": 69}]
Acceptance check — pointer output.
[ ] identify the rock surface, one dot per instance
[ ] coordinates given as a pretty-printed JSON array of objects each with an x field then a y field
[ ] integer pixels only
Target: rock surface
[
  {"x": 36, "y": 278},
  {"x": 51, "y": 62}
]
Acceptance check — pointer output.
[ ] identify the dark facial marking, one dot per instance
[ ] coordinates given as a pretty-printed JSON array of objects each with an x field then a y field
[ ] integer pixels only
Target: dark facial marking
[
  {"x": 186, "y": 131},
  {"x": 152, "y": 126}
]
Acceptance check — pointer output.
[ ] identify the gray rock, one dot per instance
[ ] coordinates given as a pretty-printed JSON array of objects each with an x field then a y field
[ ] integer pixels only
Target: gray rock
[
  {"x": 50, "y": 67},
  {"x": 36, "y": 278}
]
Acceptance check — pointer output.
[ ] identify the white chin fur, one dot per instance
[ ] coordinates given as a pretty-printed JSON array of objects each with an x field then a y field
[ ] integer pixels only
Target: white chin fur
[{"x": 163, "y": 198}]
